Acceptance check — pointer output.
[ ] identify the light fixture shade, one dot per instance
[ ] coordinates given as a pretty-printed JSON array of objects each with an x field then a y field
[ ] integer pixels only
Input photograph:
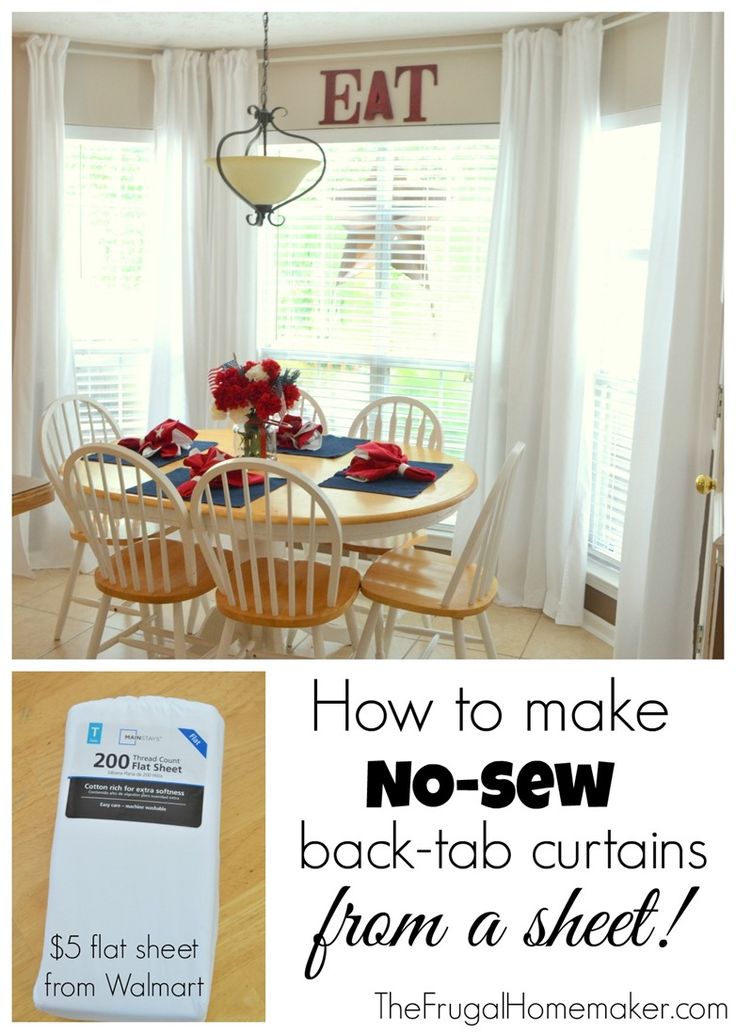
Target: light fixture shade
[{"x": 262, "y": 179}]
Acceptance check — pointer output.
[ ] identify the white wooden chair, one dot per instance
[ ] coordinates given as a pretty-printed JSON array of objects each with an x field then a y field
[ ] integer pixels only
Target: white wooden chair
[
  {"x": 433, "y": 584},
  {"x": 308, "y": 408},
  {"x": 277, "y": 578},
  {"x": 143, "y": 544},
  {"x": 400, "y": 419},
  {"x": 66, "y": 424},
  {"x": 407, "y": 422}
]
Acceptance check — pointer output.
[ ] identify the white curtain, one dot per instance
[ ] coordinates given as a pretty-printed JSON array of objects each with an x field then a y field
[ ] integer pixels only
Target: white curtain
[
  {"x": 231, "y": 318},
  {"x": 681, "y": 348},
  {"x": 205, "y": 261},
  {"x": 530, "y": 374},
  {"x": 181, "y": 115},
  {"x": 43, "y": 366}
]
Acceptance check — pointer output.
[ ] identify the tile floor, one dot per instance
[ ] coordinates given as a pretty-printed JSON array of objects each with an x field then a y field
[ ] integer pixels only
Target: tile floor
[{"x": 518, "y": 633}]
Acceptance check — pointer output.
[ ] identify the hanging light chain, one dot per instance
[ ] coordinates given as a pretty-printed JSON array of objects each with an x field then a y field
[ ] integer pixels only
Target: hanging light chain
[
  {"x": 264, "y": 79},
  {"x": 243, "y": 183}
]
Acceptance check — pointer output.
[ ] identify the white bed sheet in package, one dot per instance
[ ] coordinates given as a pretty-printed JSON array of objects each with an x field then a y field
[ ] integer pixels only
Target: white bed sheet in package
[{"x": 131, "y": 923}]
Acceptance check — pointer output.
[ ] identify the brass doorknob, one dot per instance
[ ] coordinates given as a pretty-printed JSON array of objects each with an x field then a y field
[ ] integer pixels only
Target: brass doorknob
[{"x": 704, "y": 484}]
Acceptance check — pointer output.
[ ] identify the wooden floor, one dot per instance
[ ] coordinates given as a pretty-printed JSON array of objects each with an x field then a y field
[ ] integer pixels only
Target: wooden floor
[{"x": 40, "y": 703}]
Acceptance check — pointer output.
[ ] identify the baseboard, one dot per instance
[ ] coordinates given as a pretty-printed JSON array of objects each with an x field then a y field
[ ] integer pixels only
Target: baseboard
[{"x": 598, "y": 627}]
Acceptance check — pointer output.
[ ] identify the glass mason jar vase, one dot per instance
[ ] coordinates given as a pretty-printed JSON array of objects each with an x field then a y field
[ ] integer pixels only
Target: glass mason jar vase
[{"x": 254, "y": 438}]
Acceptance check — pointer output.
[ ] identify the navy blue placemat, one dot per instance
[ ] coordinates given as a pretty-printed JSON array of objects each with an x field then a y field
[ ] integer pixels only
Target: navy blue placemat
[
  {"x": 237, "y": 495},
  {"x": 158, "y": 461},
  {"x": 331, "y": 448},
  {"x": 395, "y": 485}
]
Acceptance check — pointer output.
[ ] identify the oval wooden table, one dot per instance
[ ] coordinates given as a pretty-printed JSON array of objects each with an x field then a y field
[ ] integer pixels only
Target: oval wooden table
[
  {"x": 363, "y": 516},
  {"x": 366, "y": 515}
]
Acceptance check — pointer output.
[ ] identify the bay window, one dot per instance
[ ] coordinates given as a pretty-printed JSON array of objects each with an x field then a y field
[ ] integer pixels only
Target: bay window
[{"x": 372, "y": 286}]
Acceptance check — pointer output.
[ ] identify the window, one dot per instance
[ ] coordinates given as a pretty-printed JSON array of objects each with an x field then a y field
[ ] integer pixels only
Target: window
[
  {"x": 107, "y": 197},
  {"x": 626, "y": 181},
  {"x": 373, "y": 285}
]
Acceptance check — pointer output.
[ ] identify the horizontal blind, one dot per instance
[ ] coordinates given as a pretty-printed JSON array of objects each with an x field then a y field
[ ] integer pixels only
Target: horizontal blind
[
  {"x": 107, "y": 212},
  {"x": 613, "y": 432},
  {"x": 373, "y": 285}
]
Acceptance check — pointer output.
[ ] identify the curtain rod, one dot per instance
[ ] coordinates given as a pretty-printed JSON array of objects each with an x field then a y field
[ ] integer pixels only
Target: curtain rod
[{"x": 290, "y": 59}]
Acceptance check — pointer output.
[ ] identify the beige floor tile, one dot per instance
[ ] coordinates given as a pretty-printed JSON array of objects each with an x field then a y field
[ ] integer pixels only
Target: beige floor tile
[
  {"x": 76, "y": 648},
  {"x": 517, "y": 631},
  {"x": 563, "y": 641},
  {"x": 446, "y": 651},
  {"x": 49, "y": 600},
  {"x": 25, "y": 589},
  {"x": 33, "y": 631},
  {"x": 512, "y": 628}
]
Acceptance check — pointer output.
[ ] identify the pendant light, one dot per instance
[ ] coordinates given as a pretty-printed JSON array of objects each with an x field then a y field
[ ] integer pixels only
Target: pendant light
[{"x": 264, "y": 182}]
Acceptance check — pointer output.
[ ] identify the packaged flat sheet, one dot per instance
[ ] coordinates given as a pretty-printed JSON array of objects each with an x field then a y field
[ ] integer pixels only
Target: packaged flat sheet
[{"x": 131, "y": 923}]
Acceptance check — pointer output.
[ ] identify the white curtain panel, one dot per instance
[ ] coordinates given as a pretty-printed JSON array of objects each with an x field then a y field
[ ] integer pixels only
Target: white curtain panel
[
  {"x": 205, "y": 253},
  {"x": 231, "y": 314},
  {"x": 681, "y": 348},
  {"x": 43, "y": 367},
  {"x": 181, "y": 123},
  {"x": 530, "y": 374}
]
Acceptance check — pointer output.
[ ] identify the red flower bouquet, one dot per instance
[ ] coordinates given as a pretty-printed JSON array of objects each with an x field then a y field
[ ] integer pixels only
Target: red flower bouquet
[{"x": 255, "y": 391}]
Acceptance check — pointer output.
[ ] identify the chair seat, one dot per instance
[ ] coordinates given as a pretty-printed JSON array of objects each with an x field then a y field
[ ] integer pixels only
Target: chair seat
[
  {"x": 416, "y": 580},
  {"x": 179, "y": 590},
  {"x": 321, "y": 613}
]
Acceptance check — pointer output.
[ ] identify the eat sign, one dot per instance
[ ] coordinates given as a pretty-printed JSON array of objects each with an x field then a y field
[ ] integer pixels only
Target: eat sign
[{"x": 377, "y": 101}]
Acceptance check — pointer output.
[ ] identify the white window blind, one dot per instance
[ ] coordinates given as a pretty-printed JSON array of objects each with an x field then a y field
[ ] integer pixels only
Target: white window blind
[
  {"x": 107, "y": 212},
  {"x": 626, "y": 181},
  {"x": 373, "y": 285}
]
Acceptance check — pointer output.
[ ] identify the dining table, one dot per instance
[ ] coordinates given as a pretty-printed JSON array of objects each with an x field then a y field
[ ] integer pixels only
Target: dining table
[
  {"x": 29, "y": 493},
  {"x": 364, "y": 515}
]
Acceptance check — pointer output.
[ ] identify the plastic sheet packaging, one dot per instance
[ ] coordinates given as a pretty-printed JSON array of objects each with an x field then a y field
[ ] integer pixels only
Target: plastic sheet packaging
[{"x": 131, "y": 923}]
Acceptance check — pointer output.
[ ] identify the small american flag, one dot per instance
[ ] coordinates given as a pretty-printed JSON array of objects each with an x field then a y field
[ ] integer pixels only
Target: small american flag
[{"x": 212, "y": 375}]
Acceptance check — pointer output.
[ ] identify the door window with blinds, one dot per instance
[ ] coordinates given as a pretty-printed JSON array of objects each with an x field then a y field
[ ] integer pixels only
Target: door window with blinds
[
  {"x": 108, "y": 197},
  {"x": 373, "y": 285}
]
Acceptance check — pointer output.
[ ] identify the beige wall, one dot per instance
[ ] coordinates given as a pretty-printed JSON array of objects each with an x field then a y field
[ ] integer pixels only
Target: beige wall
[
  {"x": 103, "y": 92},
  {"x": 119, "y": 92},
  {"x": 468, "y": 87},
  {"x": 632, "y": 66}
]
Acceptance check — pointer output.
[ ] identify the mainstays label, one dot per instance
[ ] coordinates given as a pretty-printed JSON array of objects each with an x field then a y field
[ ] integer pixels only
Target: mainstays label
[{"x": 134, "y": 800}]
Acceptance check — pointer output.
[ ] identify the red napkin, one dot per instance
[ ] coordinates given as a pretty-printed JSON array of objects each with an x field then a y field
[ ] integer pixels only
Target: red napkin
[
  {"x": 200, "y": 462},
  {"x": 168, "y": 439},
  {"x": 295, "y": 433},
  {"x": 376, "y": 460}
]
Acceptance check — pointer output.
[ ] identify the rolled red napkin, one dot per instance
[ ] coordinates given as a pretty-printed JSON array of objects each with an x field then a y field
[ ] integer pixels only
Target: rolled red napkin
[
  {"x": 295, "y": 433},
  {"x": 376, "y": 460},
  {"x": 169, "y": 439},
  {"x": 200, "y": 462}
]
